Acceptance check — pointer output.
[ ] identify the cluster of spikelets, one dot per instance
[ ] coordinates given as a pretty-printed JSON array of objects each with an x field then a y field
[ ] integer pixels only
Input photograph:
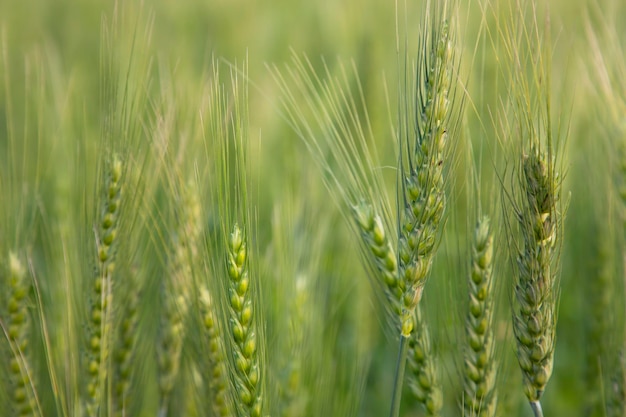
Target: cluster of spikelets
[
  {"x": 100, "y": 299},
  {"x": 423, "y": 192},
  {"x": 242, "y": 327},
  {"x": 479, "y": 396},
  {"x": 175, "y": 295},
  {"x": 534, "y": 320},
  {"x": 21, "y": 390}
]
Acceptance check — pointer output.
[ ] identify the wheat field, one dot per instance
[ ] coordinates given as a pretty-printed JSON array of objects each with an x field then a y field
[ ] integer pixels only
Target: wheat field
[{"x": 329, "y": 208}]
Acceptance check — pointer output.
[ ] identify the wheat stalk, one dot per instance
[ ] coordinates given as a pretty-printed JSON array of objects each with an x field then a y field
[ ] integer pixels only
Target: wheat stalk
[{"x": 421, "y": 192}]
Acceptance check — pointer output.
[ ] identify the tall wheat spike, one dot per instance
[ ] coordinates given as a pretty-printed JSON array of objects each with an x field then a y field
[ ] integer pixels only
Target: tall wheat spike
[
  {"x": 536, "y": 295},
  {"x": 99, "y": 319},
  {"x": 480, "y": 396},
  {"x": 243, "y": 327}
]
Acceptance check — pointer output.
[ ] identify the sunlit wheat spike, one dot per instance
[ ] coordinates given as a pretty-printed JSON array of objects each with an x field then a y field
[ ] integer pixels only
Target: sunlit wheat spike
[
  {"x": 243, "y": 328},
  {"x": 422, "y": 182}
]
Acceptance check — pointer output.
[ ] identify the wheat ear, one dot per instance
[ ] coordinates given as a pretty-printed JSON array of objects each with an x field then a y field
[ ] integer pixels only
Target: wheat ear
[
  {"x": 616, "y": 403},
  {"x": 247, "y": 374},
  {"x": 123, "y": 353},
  {"x": 423, "y": 191},
  {"x": 479, "y": 393},
  {"x": 421, "y": 186},
  {"x": 175, "y": 294},
  {"x": 534, "y": 318},
  {"x": 381, "y": 253},
  {"x": 216, "y": 377},
  {"x": 18, "y": 324},
  {"x": 423, "y": 376},
  {"x": 101, "y": 290}
]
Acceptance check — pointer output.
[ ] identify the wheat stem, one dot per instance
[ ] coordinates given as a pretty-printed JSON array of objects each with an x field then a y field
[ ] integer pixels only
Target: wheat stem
[{"x": 399, "y": 376}]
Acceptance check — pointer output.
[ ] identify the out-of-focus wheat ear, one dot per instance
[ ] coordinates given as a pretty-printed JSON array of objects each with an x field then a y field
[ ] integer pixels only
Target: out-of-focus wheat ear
[
  {"x": 247, "y": 375},
  {"x": 215, "y": 378},
  {"x": 381, "y": 255},
  {"x": 479, "y": 376},
  {"x": 123, "y": 353},
  {"x": 423, "y": 373},
  {"x": 599, "y": 293},
  {"x": 616, "y": 398},
  {"x": 534, "y": 318},
  {"x": 98, "y": 323},
  {"x": 293, "y": 392},
  {"x": 21, "y": 383},
  {"x": 175, "y": 297}
]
